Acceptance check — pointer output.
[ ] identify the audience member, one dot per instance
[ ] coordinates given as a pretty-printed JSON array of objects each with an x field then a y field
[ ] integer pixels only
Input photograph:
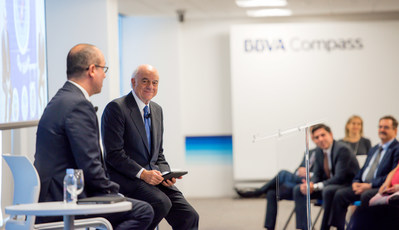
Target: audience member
[
  {"x": 132, "y": 129},
  {"x": 68, "y": 137},
  {"x": 334, "y": 168},
  {"x": 354, "y": 136},
  {"x": 389, "y": 190},
  {"x": 383, "y": 211},
  {"x": 381, "y": 159},
  {"x": 280, "y": 187},
  {"x": 375, "y": 217}
]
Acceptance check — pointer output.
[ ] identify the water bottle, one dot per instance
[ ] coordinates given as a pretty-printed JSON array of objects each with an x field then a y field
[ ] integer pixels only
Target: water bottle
[{"x": 70, "y": 187}]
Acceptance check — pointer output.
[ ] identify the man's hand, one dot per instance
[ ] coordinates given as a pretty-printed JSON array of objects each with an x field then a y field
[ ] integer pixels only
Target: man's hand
[
  {"x": 302, "y": 172},
  {"x": 153, "y": 177},
  {"x": 170, "y": 182},
  {"x": 359, "y": 188},
  {"x": 304, "y": 187}
]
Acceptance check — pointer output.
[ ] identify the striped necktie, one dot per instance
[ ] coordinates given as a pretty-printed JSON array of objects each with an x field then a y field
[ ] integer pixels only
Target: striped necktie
[
  {"x": 147, "y": 123},
  {"x": 374, "y": 166},
  {"x": 326, "y": 167}
]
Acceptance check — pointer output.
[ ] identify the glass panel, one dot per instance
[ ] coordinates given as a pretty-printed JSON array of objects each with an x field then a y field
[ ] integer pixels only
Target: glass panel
[{"x": 290, "y": 154}]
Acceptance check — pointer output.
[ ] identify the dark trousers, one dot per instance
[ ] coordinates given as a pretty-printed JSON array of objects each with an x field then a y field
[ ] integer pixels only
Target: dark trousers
[
  {"x": 327, "y": 195},
  {"x": 375, "y": 217},
  {"x": 168, "y": 203},
  {"x": 138, "y": 218},
  {"x": 343, "y": 198},
  {"x": 281, "y": 185}
]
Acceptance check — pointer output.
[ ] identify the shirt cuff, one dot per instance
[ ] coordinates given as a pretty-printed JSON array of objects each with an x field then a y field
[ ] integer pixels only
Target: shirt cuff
[
  {"x": 318, "y": 186},
  {"x": 139, "y": 173}
]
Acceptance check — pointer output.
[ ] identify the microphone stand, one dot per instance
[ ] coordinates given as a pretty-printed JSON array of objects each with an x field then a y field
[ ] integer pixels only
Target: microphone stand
[{"x": 257, "y": 138}]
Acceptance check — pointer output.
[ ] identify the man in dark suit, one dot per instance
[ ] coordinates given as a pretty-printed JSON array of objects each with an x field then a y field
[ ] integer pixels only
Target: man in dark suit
[
  {"x": 132, "y": 131},
  {"x": 381, "y": 159},
  {"x": 285, "y": 181},
  {"x": 334, "y": 168},
  {"x": 68, "y": 137}
]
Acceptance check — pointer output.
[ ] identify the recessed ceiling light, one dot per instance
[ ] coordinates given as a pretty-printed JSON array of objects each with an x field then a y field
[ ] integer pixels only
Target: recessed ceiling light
[
  {"x": 269, "y": 12},
  {"x": 261, "y": 3}
]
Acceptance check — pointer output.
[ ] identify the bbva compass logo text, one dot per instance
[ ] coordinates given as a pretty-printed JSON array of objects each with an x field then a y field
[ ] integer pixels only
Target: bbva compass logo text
[{"x": 302, "y": 45}]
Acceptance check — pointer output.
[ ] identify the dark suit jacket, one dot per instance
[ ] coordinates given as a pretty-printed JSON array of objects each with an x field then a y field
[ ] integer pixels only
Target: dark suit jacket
[
  {"x": 125, "y": 141},
  {"x": 387, "y": 164},
  {"x": 344, "y": 165},
  {"x": 68, "y": 137},
  {"x": 311, "y": 164}
]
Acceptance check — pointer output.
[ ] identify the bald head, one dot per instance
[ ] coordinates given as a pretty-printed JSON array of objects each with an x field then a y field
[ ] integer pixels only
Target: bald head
[
  {"x": 145, "y": 82},
  {"x": 144, "y": 70},
  {"x": 80, "y": 57}
]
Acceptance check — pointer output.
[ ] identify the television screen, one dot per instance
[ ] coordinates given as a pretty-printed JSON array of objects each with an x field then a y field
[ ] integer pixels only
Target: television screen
[{"x": 23, "y": 92}]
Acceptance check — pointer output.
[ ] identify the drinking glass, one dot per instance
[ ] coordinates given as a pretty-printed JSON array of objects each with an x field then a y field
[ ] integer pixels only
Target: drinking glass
[{"x": 79, "y": 181}]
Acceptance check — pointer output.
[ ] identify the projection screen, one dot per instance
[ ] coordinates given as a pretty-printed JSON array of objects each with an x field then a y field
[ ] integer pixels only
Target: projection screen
[{"x": 23, "y": 92}]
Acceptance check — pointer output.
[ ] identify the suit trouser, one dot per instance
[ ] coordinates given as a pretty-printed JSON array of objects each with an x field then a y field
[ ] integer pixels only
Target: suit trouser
[
  {"x": 286, "y": 181},
  {"x": 343, "y": 198},
  {"x": 138, "y": 218},
  {"x": 168, "y": 203},
  {"x": 327, "y": 194},
  {"x": 375, "y": 217}
]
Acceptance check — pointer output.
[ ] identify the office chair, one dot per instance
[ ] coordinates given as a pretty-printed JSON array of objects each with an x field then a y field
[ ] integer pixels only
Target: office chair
[
  {"x": 26, "y": 191},
  {"x": 317, "y": 203}
]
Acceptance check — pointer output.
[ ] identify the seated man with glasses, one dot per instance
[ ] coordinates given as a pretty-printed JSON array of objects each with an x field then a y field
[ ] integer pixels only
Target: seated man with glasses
[
  {"x": 68, "y": 137},
  {"x": 381, "y": 159}
]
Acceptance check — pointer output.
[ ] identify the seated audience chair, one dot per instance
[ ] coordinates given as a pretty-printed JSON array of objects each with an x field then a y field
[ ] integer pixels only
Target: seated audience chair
[
  {"x": 361, "y": 159},
  {"x": 26, "y": 191},
  {"x": 317, "y": 203}
]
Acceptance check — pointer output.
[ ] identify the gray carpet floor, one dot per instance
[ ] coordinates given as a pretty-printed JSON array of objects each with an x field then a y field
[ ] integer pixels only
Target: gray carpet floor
[{"x": 239, "y": 214}]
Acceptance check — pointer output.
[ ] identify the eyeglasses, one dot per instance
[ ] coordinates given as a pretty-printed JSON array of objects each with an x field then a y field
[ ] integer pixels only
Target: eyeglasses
[
  {"x": 384, "y": 127},
  {"x": 105, "y": 68}
]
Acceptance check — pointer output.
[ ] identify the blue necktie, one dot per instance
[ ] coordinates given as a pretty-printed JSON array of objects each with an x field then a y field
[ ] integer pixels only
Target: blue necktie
[{"x": 147, "y": 123}]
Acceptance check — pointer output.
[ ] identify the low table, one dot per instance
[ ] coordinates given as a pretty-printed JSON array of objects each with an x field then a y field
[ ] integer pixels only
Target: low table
[{"x": 67, "y": 210}]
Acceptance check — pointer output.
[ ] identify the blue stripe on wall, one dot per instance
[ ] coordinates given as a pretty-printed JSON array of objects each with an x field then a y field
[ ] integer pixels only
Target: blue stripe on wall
[{"x": 209, "y": 150}]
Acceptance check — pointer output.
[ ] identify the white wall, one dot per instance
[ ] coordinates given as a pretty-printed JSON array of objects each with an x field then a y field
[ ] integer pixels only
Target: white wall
[
  {"x": 93, "y": 22},
  {"x": 205, "y": 71},
  {"x": 350, "y": 69}
]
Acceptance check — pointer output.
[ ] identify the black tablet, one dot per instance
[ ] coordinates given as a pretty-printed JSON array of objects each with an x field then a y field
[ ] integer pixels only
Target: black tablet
[
  {"x": 101, "y": 200},
  {"x": 173, "y": 174}
]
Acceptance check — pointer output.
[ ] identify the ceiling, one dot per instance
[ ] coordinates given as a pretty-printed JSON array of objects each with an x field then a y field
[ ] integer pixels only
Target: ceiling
[{"x": 228, "y": 8}]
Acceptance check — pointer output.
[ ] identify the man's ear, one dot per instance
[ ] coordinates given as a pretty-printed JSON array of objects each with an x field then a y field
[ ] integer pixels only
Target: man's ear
[{"x": 91, "y": 70}]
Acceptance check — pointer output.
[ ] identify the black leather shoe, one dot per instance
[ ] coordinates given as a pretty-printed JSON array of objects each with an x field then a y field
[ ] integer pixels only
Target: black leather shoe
[{"x": 248, "y": 193}]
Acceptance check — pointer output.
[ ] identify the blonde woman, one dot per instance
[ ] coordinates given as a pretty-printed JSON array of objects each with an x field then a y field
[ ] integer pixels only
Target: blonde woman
[{"x": 354, "y": 136}]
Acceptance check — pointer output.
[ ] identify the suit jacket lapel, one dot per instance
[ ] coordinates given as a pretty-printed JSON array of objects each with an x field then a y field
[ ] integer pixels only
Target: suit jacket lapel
[
  {"x": 386, "y": 155},
  {"x": 137, "y": 119},
  {"x": 333, "y": 156},
  {"x": 155, "y": 125}
]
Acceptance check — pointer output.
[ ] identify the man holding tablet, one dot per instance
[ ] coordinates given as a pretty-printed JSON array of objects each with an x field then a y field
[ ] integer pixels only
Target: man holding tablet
[{"x": 132, "y": 131}]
